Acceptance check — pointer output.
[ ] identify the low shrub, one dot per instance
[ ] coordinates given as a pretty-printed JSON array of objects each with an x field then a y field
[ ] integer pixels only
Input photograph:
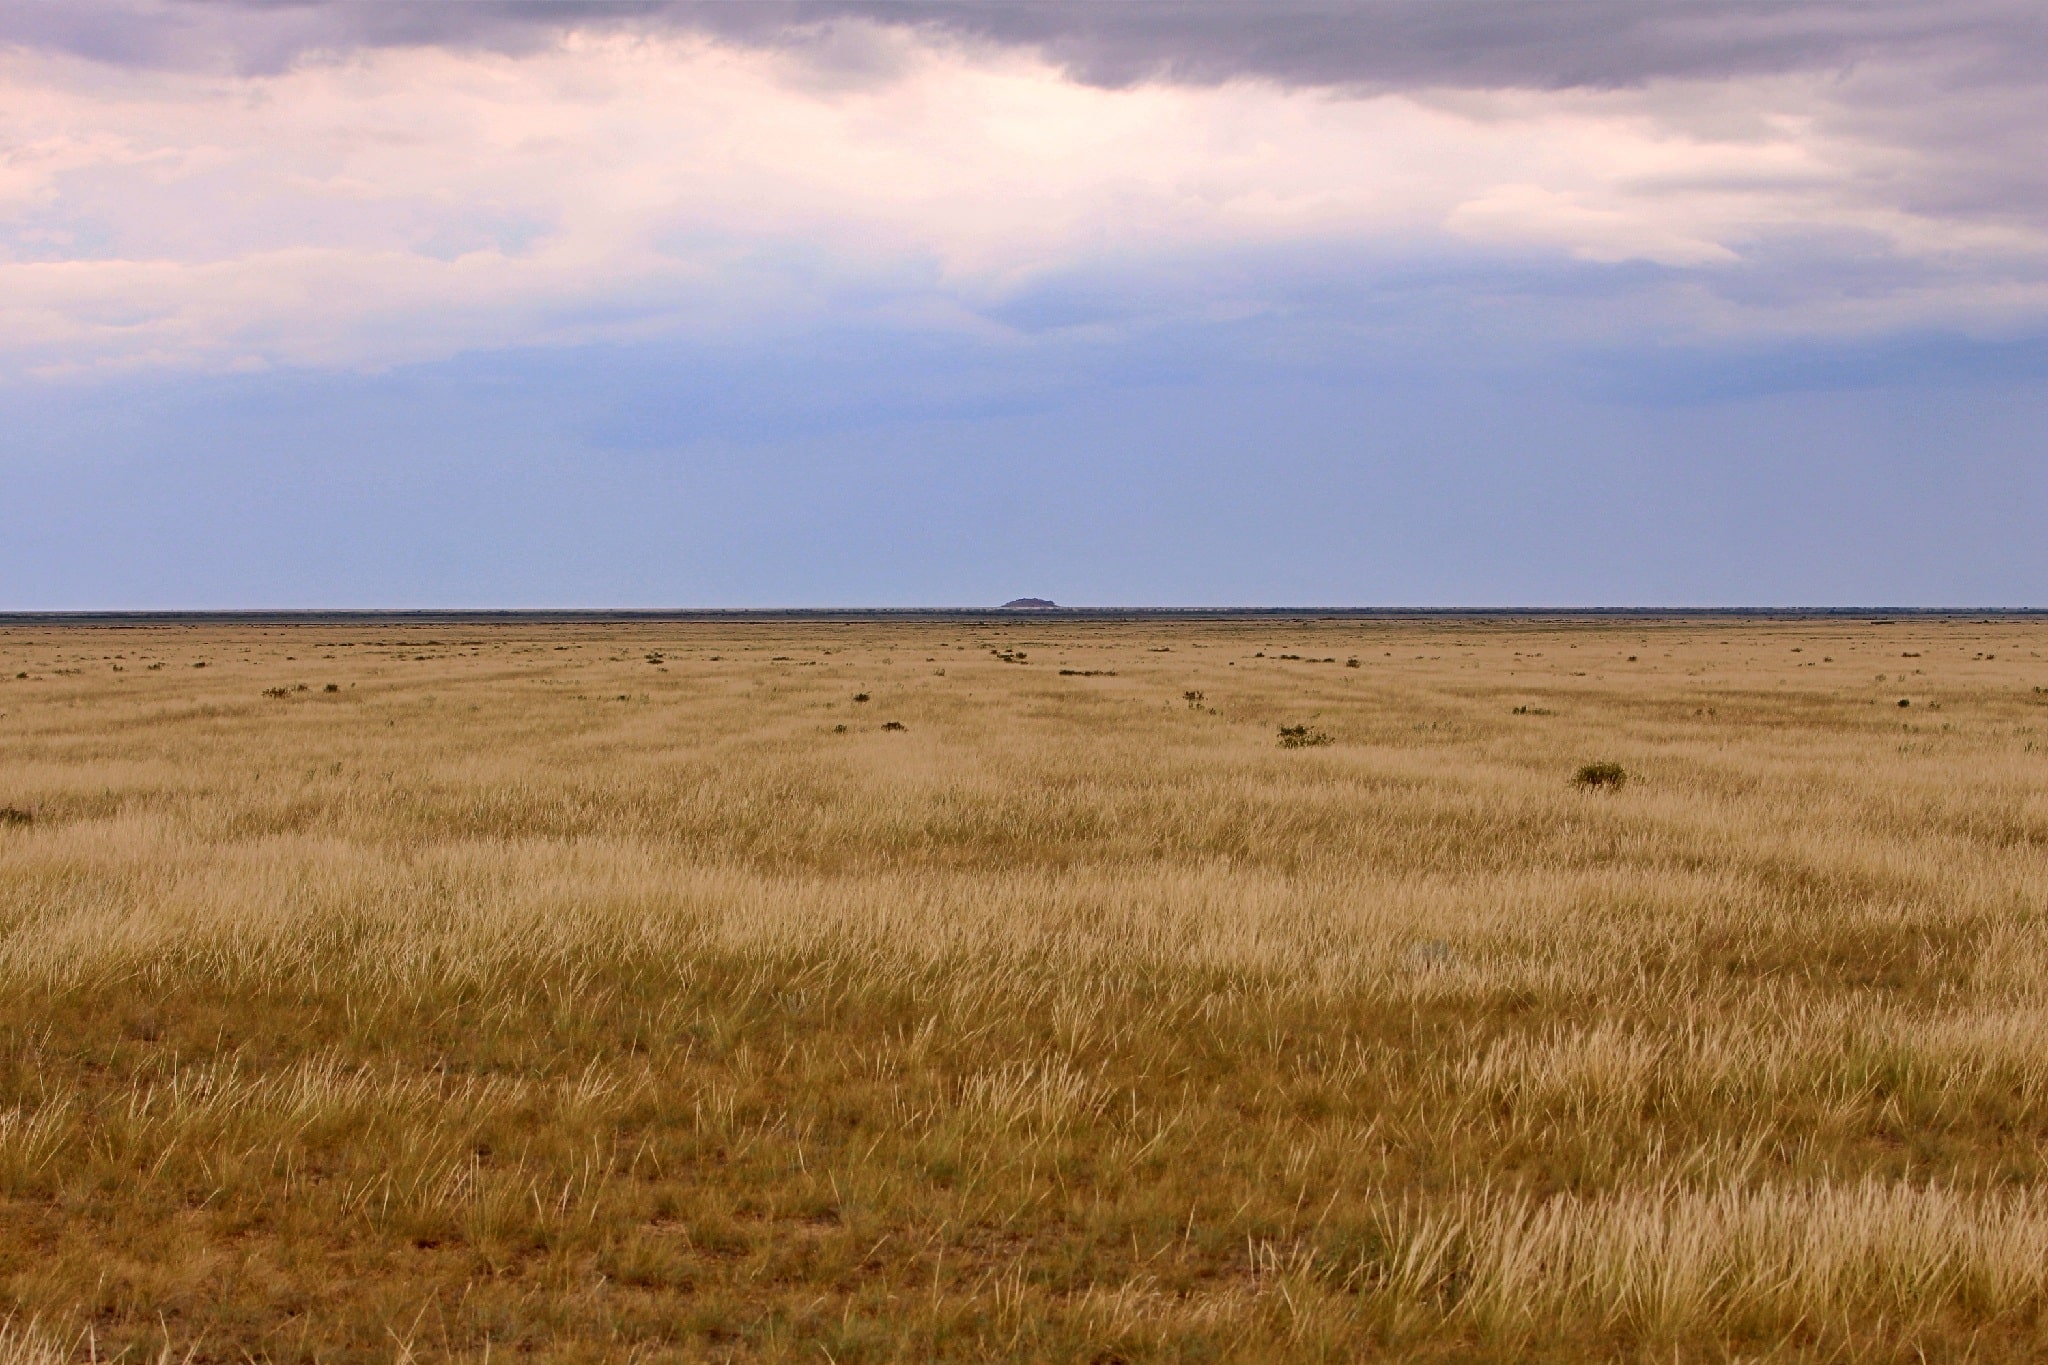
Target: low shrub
[
  {"x": 1608, "y": 775},
  {"x": 1301, "y": 737}
]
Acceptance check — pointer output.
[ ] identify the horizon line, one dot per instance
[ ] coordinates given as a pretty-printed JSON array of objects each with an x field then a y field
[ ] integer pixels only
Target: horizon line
[{"x": 650, "y": 615}]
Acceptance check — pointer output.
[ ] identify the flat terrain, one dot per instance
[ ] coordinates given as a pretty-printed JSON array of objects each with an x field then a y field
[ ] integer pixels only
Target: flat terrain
[{"x": 641, "y": 992}]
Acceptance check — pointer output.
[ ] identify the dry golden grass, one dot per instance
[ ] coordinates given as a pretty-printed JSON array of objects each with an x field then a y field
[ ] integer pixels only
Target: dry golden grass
[{"x": 587, "y": 993}]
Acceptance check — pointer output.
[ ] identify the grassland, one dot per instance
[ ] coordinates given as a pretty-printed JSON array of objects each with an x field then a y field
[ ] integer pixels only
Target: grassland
[{"x": 580, "y": 993}]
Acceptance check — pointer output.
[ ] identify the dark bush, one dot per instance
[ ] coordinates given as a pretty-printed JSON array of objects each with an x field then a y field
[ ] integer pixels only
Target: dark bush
[
  {"x": 1611, "y": 775},
  {"x": 894, "y": 725},
  {"x": 15, "y": 815},
  {"x": 1301, "y": 737}
]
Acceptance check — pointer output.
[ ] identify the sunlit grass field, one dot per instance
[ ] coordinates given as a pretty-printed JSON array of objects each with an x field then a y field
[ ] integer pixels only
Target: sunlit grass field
[{"x": 642, "y": 992}]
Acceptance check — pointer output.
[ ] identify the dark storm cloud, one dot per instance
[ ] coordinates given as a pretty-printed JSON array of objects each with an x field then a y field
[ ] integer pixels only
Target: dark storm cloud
[
  {"x": 261, "y": 37},
  {"x": 1466, "y": 43},
  {"x": 1337, "y": 43}
]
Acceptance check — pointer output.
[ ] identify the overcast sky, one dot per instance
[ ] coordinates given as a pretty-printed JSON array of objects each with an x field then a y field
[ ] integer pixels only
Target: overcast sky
[{"x": 1115, "y": 303}]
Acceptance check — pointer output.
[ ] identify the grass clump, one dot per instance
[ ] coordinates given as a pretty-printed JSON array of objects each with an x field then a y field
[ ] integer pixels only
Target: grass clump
[
  {"x": 1302, "y": 737},
  {"x": 1610, "y": 776}
]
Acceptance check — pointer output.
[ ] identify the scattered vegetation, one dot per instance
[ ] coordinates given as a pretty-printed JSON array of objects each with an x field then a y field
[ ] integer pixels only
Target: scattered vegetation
[{"x": 480, "y": 1021}]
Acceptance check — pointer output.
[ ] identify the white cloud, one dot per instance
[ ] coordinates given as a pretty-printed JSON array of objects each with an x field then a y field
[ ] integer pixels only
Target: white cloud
[
  {"x": 1534, "y": 214},
  {"x": 406, "y": 203}
]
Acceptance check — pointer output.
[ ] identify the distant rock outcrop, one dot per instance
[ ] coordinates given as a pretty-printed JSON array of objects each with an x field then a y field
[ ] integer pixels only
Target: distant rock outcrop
[{"x": 1027, "y": 604}]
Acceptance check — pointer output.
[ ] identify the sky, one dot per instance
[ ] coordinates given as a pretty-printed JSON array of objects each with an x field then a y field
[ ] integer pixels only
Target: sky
[{"x": 1346, "y": 303}]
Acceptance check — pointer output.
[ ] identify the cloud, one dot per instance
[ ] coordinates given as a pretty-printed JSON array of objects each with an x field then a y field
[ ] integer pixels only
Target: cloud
[
  {"x": 1477, "y": 44},
  {"x": 241, "y": 185}
]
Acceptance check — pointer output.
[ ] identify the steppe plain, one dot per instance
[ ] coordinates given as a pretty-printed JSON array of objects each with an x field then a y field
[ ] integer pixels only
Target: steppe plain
[{"x": 635, "y": 992}]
